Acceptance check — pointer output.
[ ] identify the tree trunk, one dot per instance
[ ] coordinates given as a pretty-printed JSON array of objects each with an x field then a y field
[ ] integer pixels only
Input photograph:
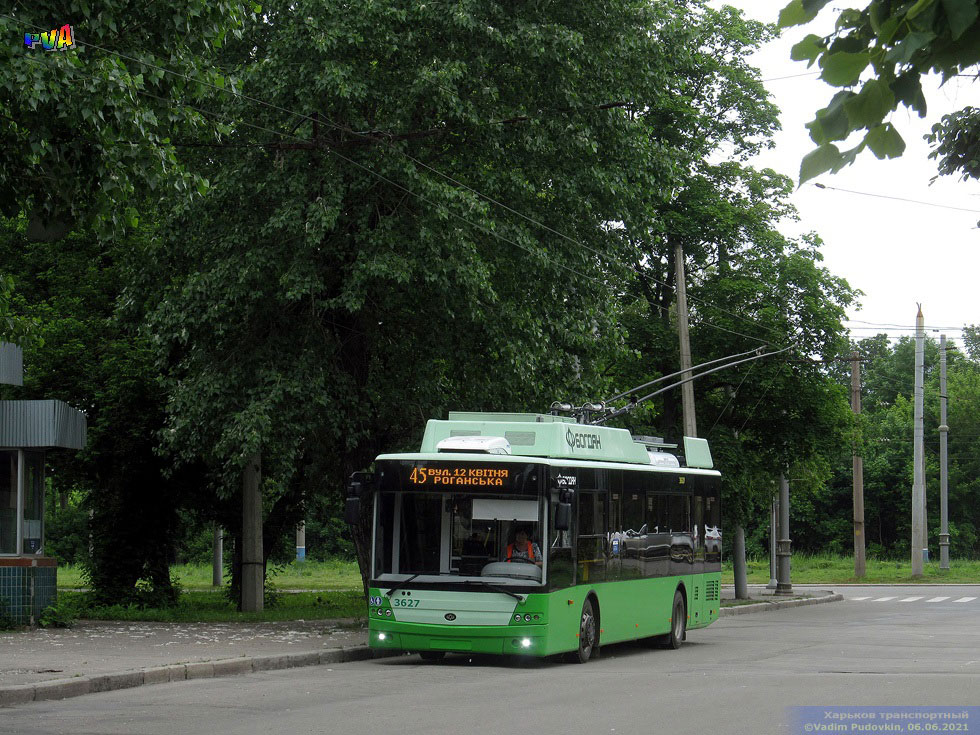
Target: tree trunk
[
  {"x": 253, "y": 587},
  {"x": 738, "y": 563}
]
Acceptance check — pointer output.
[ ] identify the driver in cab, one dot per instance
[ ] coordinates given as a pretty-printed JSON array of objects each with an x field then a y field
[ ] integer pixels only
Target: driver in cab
[{"x": 523, "y": 549}]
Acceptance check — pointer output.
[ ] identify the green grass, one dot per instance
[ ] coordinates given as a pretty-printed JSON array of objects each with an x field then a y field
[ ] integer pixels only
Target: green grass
[
  {"x": 335, "y": 588},
  {"x": 308, "y": 575},
  {"x": 825, "y": 569},
  {"x": 197, "y": 606}
]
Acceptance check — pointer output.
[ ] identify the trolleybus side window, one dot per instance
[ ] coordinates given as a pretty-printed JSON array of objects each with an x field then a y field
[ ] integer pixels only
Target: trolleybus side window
[
  {"x": 712, "y": 528},
  {"x": 590, "y": 553}
]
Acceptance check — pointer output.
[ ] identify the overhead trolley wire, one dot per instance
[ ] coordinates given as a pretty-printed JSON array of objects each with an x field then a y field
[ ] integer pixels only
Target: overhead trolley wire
[
  {"x": 679, "y": 372},
  {"x": 897, "y": 199},
  {"x": 629, "y": 407},
  {"x": 361, "y": 166}
]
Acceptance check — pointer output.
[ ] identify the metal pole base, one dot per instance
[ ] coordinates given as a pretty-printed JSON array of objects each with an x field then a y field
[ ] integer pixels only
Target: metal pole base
[{"x": 944, "y": 551}]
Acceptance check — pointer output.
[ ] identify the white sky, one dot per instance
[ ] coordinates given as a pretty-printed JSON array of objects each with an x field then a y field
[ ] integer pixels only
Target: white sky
[{"x": 897, "y": 253}]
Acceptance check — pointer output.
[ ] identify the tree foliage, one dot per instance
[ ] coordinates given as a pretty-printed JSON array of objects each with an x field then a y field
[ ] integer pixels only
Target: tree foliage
[
  {"x": 334, "y": 290},
  {"x": 96, "y": 362},
  {"x": 885, "y": 442},
  {"x": 899, "y": 41},
  {"x": 88, "y": 132}
]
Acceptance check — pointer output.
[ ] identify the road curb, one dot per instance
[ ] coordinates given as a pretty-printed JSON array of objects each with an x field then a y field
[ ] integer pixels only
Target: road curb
[
  {"x": 77, "y": 686},
  {"x": 12, "y": 695},
  {"x": 767, "y": 606}
]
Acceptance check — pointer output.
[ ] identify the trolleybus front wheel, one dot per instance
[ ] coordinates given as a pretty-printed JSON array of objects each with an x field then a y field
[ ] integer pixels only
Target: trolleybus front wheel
[
  {"x": 678, "y": 623},
  {"x": 432, "y": 655},
  {"x": 588, "y": 634}
]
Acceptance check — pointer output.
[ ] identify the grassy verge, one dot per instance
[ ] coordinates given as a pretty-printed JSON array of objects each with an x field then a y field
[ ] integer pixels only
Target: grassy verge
[
  {"x": 309, "y": 575},
  {"x": 840, "y": 570},
  {"x": 335, "y": 589},
  {"x": 198, "y": 606}
]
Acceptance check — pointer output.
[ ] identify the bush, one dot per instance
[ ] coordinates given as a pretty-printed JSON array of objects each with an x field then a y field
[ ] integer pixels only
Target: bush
[
  {"x": 66, "y": 534},
  {"x": 6, "y": 620},
  {"x": 62, "y": 614}
]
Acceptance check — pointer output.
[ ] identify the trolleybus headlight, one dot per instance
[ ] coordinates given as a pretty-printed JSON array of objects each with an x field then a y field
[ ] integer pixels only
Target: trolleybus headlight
[
  {"x": 380, "y": 611},
  {"x": 382, "y": 636},
  {"x": 526, "y": 643},
  {"x": 527, "y": 619}
]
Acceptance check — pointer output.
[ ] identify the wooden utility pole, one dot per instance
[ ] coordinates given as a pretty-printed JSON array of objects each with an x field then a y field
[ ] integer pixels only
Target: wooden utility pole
[
  {"x": 943, "y": 457},
  {"x": 253, "y": 582},
  {"x": 858, "y": 471},
  {"x": 918, "y": 491}
]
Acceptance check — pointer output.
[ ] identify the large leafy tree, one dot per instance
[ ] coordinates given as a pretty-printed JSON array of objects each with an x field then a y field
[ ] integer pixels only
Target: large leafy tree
[
  {"x": 87, "y": 131},
  {"x": 336, "y": 288},
  {"x": 93, "y": 358},
  {"x": 899, "y": 41}
]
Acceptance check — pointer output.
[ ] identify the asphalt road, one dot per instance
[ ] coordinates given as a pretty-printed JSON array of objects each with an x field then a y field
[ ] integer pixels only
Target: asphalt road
[{"x": 878, "y": 647}]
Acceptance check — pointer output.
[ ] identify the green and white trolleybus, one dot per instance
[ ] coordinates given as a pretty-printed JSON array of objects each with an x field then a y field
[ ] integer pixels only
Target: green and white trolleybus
[{"x": 623, "y": 542}]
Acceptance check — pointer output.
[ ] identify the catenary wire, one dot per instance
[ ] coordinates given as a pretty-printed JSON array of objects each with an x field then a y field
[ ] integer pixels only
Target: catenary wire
[
  {"x": 898, "y": 199},
  {"x": 361, "y": 166}
]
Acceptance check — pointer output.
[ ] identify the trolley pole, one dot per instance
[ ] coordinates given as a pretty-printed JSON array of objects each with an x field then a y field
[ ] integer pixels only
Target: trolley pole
[
  {"x": 687, "y": 388},
  {"x": 858, "y": 471},
  {"x": 918, "y": 491},
  {"x": 783, "y": 584},
  {"x": 943, "y": 469}
]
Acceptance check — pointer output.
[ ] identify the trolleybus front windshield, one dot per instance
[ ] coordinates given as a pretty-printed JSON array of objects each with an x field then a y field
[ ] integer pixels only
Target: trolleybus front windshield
[{"x": 457, "y": 521}]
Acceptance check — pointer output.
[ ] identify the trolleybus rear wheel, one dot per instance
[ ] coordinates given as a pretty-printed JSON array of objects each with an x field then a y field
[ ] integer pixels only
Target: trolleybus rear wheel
[
  {"x": 678, "y": 623},
  {"x": 588, "y": 633}
]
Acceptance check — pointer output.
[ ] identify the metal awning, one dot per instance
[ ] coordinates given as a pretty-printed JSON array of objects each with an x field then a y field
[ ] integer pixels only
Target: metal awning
[{"x": 41, "y": 425}]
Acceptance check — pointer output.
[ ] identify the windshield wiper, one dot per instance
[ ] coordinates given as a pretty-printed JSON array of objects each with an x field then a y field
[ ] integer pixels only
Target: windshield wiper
[
  {"x": 495, "y": 588},
  {"x": 401, "y": 584}
]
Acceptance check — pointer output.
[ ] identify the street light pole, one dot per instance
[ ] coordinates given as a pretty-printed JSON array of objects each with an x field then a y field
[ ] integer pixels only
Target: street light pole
[
  {"x": 857, "y": 471},
  {"x": 918, "y": 491},
  {"x": 783, "y": 584},
  {"x": 943, "y": 469}
]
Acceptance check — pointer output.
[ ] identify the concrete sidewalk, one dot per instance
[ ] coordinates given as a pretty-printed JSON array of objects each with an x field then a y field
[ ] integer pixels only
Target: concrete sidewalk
[{"x": 96, "y": 656}]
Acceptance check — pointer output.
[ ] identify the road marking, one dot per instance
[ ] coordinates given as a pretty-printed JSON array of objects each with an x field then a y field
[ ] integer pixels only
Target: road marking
[
  {"x": 965, "y": 599},
  {"x": 883, "y": 599},
  {"x": 937, "y": 599},
  {"x": 861, "y": 598},
  {"x": 910, "y": 599}
]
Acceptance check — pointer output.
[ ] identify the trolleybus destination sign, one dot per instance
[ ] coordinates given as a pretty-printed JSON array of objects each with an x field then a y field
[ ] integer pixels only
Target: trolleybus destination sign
[{"x": 460, "y": 476}]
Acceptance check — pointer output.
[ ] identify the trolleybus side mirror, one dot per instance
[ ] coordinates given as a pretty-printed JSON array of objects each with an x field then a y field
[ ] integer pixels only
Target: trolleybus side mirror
[
  {"x": 352, "y": 509},
  {"x": 563, "y": 511}
]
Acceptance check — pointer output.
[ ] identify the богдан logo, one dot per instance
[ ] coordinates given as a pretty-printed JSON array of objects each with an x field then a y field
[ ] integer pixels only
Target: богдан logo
[
  {"x": 57, "y": 39},
  {"x": 578, "y": 440}
]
